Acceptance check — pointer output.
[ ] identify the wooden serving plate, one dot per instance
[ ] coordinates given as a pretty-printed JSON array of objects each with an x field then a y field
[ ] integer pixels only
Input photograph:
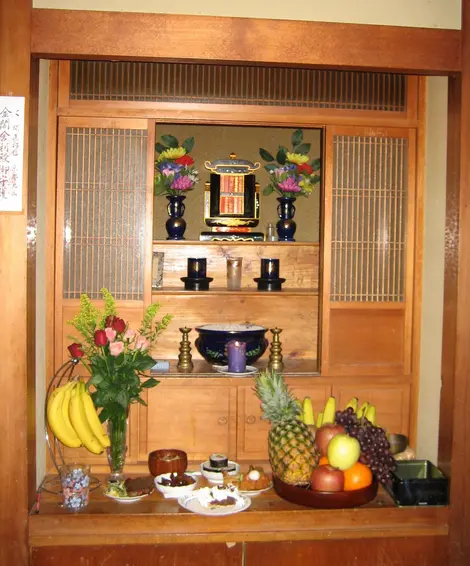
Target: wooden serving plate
[{"x": 325, "y": 499}]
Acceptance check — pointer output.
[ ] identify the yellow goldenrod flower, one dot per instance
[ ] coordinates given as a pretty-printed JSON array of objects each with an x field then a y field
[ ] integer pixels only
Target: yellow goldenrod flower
[
  {"x": 297, "y": 158},
  {"x": 172, "y": 153}
]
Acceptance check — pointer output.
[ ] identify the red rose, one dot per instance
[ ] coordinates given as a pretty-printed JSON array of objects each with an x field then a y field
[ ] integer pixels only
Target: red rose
[
  {"x": 185, "y": 160},
  {"x": 115, "y": 323},
  {"x": 305, "y": 168},
  {"x": 76, "y": 350},
  {"x": 100, "y": 338}
]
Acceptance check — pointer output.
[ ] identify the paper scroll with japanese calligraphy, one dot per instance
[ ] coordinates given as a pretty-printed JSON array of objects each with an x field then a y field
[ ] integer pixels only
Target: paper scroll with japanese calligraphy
[{"x": 11, "y": 153}]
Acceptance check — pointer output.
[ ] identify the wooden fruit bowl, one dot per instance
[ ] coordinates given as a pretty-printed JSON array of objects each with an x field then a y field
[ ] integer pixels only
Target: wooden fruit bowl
[{"x": 325, "y": 499}]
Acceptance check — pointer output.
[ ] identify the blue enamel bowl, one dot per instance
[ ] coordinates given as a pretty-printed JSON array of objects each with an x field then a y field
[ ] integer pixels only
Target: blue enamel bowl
[{"x": 213, "y": 339}]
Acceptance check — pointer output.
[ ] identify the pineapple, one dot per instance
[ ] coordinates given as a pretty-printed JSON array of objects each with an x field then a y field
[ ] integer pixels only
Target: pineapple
[{"x": 291, "y": 444}]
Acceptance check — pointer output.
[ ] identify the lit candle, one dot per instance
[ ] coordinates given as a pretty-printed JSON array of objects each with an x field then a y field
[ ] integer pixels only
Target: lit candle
[
  {"x": 197, "y": 267},
  {"x": 236, "y": 353},
  {"x": 269, "y": 268}
]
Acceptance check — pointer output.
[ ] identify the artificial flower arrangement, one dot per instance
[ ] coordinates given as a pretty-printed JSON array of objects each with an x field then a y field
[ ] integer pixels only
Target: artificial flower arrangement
[
  {"x": 291, "y": 175},
  {"x": 174, "y": 168},
  {"x": 115, "y": 355}
]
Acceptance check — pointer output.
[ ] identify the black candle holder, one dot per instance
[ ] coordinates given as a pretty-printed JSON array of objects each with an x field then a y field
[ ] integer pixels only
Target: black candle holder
[
  {"x": 269, "y": 280},
  {"x": 196, "y": 279},
  {"x": 269, "y": 268},
  {"x": 197, "y": 267}
]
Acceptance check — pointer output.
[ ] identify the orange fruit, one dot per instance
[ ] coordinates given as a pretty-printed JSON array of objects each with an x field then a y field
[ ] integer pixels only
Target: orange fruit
[
  {"x": 357, "y": 477},
  {"x": 323, "y": 461}
]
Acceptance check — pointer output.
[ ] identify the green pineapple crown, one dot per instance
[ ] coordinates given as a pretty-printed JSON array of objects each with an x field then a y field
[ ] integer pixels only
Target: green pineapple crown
[{"x": 277, "y": 401}]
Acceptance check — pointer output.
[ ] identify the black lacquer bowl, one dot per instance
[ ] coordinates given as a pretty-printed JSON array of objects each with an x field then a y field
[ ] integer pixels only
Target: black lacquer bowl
[
  {"x": 325, "y": 499},
  {"x": 213, "y": 340}
]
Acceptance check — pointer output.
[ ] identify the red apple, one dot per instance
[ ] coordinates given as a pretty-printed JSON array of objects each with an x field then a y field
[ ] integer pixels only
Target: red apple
[
  {"x": 327, "y": 478},
  {"x": 325, "y": 433}
]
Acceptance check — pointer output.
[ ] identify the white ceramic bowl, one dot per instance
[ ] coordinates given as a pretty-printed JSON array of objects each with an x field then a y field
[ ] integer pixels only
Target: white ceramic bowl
[
  {"x": 176, "y": 491},
  {"x": 218, "y": 477}
]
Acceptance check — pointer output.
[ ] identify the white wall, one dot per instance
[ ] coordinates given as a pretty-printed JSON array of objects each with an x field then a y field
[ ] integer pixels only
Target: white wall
[
  {"x": 414, "y": 13},
  {"x": 433, "y": 268}
]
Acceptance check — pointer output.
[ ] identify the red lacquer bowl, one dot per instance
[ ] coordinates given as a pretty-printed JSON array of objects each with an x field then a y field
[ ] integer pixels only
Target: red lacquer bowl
[
  {"x": 325, "y": 499},
  {"x": 167, "y": 461}
]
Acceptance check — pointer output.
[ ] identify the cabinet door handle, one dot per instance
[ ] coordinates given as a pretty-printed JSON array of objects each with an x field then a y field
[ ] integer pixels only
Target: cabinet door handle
[
  {"x": 251, "y": 419},
  {"x": 223, "y": 421}
]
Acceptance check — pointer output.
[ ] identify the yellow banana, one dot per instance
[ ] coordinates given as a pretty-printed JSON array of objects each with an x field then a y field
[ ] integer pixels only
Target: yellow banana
[
  {"x": 309, "y": 417},
  {"x": 92, "y": 417},
  {"x": 362, "y": 410},
  {"x": 65, "y": 413},
  {"x": 56, "y": 420},
  {"x": 329, "y": 412},
  {"x": 319, "y": 420},
  {"x": 371, "y": 414},
  {"x": 80, "y": 422},
  {"x": 353, "y": 404}
]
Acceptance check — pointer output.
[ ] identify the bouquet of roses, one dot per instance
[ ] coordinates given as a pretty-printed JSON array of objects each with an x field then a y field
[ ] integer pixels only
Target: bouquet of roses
[
  {"x": 115, "y": 355},
  {"x": 174, "y": 168},
  {"x": 291, "y": 174}
]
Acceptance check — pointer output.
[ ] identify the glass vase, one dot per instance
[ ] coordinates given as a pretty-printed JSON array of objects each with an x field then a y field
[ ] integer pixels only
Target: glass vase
[
  {"x": 176, "y": 224},
  {"x": 286, "y": 226},
  {"x": 116, "y": 452}
]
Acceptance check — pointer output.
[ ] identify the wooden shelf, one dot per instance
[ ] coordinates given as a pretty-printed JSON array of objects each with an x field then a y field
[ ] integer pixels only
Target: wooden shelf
[
  {"x": 202, "y": 368},
  {"x": 232, "y": 244},
  {"x": 313, "y": 292},
  {"x": 155, "y": 520}
]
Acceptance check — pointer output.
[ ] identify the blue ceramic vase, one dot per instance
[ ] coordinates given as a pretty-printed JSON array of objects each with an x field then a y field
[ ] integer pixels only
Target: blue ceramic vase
[
  {"x": 286, "y": 226},
  {"x": 176, "y": 224}
]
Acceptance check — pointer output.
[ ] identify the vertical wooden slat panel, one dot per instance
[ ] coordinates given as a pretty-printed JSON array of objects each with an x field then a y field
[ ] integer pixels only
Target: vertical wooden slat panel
[
  {"x": 381, "y": 187},
  {"x": 192, "y": 82},
  {"x": 105, "y": 201}
]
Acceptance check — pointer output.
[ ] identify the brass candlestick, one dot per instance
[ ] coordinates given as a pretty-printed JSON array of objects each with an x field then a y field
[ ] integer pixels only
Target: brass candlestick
[
  {"x": 275, "y": 357},
  {"x": 185, "y": 361}
]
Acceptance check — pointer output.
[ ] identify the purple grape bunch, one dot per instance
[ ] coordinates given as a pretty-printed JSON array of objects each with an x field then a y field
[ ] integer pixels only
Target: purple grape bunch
[{"x": 375, "y": 448}]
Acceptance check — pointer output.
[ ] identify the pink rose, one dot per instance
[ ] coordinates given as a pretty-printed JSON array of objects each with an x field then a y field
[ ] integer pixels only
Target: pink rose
[
  {"x": 110, "y": 334},
  {"x": 129, "y": 335},
  {"x": 100, "y": 338},
  {"x": 142, "y": 344},
  {"x": 115, "y": 323},
  {"x": 116, "y": 348}
]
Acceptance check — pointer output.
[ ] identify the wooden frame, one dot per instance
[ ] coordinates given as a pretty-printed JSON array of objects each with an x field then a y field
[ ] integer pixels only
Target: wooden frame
[
  {"x": 73, "y": 34},
  {"x": 80, "y": 34}
]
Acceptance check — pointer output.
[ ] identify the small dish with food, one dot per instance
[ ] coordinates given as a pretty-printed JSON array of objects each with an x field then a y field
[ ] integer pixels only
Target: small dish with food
[
  {"x": 175, "y": 484},
  {"x": 130, "y": 490}
]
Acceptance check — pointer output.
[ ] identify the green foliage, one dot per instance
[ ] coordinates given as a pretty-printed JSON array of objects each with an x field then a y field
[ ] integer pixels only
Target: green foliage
[
  {"x": 188, "y": 144},
  {"x": 303, "y": 148},
  {"x": 281, "y": 155},
  {"x": 297, "y": 138},
  {"x": 170, "y": 140},
  {"x": 265, "y": 155}
]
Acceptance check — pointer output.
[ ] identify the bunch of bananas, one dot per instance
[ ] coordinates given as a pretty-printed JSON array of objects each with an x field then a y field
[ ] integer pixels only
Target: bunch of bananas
[
  {"x": 328, "y": 415},
  {"x": 73, "y": 419}
]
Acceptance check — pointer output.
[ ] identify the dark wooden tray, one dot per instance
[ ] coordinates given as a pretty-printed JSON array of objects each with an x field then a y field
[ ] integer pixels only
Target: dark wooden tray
[{"x": 324, "y": 499}]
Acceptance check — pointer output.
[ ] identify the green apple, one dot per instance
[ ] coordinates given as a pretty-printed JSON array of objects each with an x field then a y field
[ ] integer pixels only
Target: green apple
[{"x": 343, "y": 451}]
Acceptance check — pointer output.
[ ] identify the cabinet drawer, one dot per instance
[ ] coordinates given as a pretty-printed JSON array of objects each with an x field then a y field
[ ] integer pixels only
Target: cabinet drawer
[{"x": 198, "y": 419}]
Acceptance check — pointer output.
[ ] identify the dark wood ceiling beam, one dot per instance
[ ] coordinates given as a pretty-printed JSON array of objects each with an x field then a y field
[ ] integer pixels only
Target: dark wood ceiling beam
[{"x": 72, "y": 34}]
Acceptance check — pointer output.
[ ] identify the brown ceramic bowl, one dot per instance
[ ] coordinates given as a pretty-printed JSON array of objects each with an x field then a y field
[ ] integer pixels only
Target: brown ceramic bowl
[{"x": 167, "y": 460}]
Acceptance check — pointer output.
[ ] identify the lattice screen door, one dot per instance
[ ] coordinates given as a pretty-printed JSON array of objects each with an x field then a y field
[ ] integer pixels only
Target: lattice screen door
[
  {"x": 368, "y": 250},
  {"x": 104, "y": 199}
]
